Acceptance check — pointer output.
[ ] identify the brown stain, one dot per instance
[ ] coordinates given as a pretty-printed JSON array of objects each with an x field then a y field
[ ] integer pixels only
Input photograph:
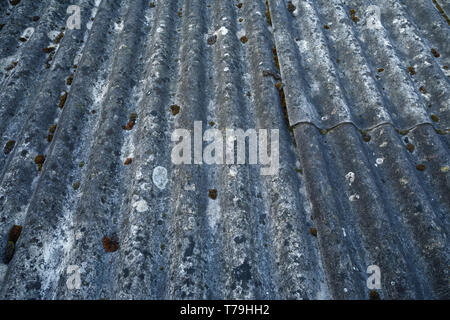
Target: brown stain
[
  {"x": 291, "y": 7},
  {"x": 59, "y": 37},
  {"x": 62, "y": 100},
  {"x": 244, "y": 39},
  {"x": 421, "y": 167},
  {"x": 435, "y": 53},
  {"x": 410, "y": 147},
  {"x": 313, "y": 232},
  {"x": 441, "y": 11},
  {"x": 411, "y": 70},
  {"x": 69, "y": 80},
  {"x": 212, "y": 193},
  {"x": 110, "y": 244},
  {"x": 14, "y": 233},
  {"x": 39, "y": 160},
  {"x": 128, "y": 161},
  {"x": 48, "y": 49},
  {"x": 175, "y": 109},
  {"x": 268, "y": 17}
]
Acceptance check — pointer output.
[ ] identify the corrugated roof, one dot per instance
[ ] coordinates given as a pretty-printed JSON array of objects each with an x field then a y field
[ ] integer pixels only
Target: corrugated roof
[{"x": 363, "y": 119}]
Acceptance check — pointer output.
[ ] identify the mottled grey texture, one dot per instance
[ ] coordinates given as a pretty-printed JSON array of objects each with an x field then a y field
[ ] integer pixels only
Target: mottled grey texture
[{"x": 347, "y": 195}]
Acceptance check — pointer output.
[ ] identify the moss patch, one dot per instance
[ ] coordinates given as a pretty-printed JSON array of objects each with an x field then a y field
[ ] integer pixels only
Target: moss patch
[
  {"x": 69, "y": 80},
  {"x": 175, "y": 109},
  {"x": 421, "y": 167},
  {"x": 110, "y": 244},
  {"x": 14, "y": 233},
  {"x": 212, "y": 193},
  {"x": 39, "y": 160},
  {"x": 435, "y": 53},
  {"x": 62, "y": 100},
  {"x": 9, "y": 146},
  {"x": 410, "y": 147}
]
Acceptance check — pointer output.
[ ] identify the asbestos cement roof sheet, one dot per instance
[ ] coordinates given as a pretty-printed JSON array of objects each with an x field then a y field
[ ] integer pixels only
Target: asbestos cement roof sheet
[{"x": 361, "y": 102}]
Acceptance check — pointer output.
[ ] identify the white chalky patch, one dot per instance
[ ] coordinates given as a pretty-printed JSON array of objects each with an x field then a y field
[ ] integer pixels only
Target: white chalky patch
[
  {"x": 379, "y": 161},
  {"x": 222, "y": 31},
  {"x": 160, "y": 177},
  {"x": 141, "y": 206},
  {"x": 350, "y": 177},
  {"x": 353, "y": 197}
]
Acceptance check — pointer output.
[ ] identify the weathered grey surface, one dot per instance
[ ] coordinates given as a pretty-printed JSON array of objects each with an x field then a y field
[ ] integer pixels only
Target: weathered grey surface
[{"x": 345, "y": 167}]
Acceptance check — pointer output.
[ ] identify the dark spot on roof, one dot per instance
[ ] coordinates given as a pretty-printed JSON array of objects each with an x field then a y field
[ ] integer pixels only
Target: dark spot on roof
[
  {"x": 411, "y": 70},
  {"x": 76, "y": 185},
  {"x": 422, "y": 90},
  {"x": 175, "y": 109},
  {"x": 326, "y": 27},
  {"x": 110, "y": 244},
  {"x": 128, "y": 161},
  {"x": 129, "y": 125},
  {"x": 373, "y": 295},
  {"x": 14, "y": 233},
  {"x": 59, "y": 37},
  {"x": 244, "y": 39},
  {"x": 243, "y": 272},
  {"x": 380, "y": 69},
  {"x": 35, "y": 18},
  {"x": 48, "y": 49},
  {"x": 434, "y": 117},
  {"x": 239, "y": 5},
  {"x": 9, "y": 252},
  {"x": 152, "y": 5},
  {"x": 410, "y": 147},
  {"x": 62, "y": 100},
  {"x": 291, "y": 7},
  {"x": 313, "y": 231},
  {"x": 69, "y": 80},
  {"x": 212, "y": 193},
  {"x": 9, "y": 146},
  {"x": 435, "y": 53},
  {"x": 14, "y": 2},
  {"x": 39, "y": 160},
  {"x": 212, "y": 39},
  {"x": 421, "y": 167},
  {"x": 268, "y": 18}
]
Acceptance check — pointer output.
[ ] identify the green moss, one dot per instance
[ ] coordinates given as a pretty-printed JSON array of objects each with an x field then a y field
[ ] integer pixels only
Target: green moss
[{"x": 434, "y": 117}]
